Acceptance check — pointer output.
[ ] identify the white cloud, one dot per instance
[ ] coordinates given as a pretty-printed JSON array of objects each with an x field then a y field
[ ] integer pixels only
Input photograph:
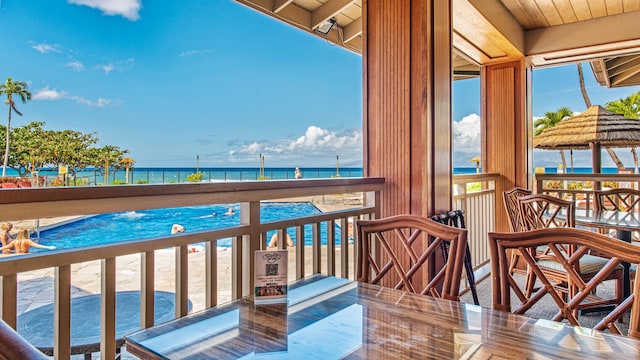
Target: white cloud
[
  {"x": 101, "y": 102},
  {"x": 466, "y": 134},
  {"x": 108, "y": 68},
  {"x": 47, "y": 48},
  {"x": 122, "y": 65},
  {"x": 47, "y": 94},
  {"x": 318, "y": 146},
  {"x": 194, "y": 52},
  {"x": 75, "y": 65},
  {"x": 129, "y": 9}
]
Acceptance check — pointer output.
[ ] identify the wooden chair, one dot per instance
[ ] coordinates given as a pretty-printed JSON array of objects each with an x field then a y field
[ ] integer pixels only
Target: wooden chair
[
  {"x": 622, "y": 199},
  {"x": 13, "y": 346},
  {"x": 510, "y": 200},
  {"x": 455, "y": 218},
  {"x": 540, "y": 211},
  {"x": 399, "y": 250},
  {"x": 558, "y": 239}
]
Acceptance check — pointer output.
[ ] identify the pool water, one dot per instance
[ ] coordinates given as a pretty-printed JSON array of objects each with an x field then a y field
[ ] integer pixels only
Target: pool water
[{"x": 118, "y": 227}]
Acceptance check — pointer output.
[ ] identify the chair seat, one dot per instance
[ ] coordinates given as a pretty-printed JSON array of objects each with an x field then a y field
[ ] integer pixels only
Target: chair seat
[{"x": 589, "y": 264}]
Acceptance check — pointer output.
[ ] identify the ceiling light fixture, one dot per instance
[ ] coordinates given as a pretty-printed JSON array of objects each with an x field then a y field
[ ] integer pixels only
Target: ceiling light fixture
[{"x": 326, "y": 26}]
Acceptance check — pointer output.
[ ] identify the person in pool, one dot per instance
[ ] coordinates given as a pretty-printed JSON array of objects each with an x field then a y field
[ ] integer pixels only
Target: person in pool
[
  {"x": 230, "y": 212},
  {"x": 177, "y": 228},
  {"x": 5, "y": 235},
  {"x": 23, "y": 243}
]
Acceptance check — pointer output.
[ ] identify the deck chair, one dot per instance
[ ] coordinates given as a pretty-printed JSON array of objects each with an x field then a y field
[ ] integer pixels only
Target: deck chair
[
  {"x": 510, "y": 200},
  {"x": 398, "y": 251},
  {"x": 455, "y": 218},
  {"x": 557, "y": 239},
  {"x": 540, "y": 211}
]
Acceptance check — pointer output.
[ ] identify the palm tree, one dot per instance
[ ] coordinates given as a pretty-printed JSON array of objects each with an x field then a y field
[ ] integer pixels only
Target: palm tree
[
  {"x": 551, "y": 119},
  {"x": 587, "y": 102},
  {"x": 628, "y": 107},
  {"x": 11, "y": 88}
]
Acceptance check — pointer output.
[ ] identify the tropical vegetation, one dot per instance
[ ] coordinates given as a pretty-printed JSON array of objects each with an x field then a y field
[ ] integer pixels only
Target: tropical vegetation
[
  {"x": 32, "y": 147},
  {"x": 12, "y": 88},
  {"x": 549, "y": 120},
  {"x": 628, "y": 107}
]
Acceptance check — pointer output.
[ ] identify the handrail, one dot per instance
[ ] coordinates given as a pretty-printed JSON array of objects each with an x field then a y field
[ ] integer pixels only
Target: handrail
[
  {"x": 476, "y": 195},
  {"x": 32, "y": 203},
  {"x": 579, "y": 187}
]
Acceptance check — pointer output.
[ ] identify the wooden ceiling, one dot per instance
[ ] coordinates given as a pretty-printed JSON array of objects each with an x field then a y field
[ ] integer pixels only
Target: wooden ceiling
[{"x": 545, "y": 32}]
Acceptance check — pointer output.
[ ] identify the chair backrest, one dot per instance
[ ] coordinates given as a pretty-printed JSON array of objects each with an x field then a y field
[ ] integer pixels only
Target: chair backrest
[
  {"x": 397, "y": 251},
  {"x": 615, "y": 251},
  {"x": 622, "y": 199},
  {"x": 539, "y": 211},
  {"x": 510, "y": 200},
  {"x": 15, "y": 346}
]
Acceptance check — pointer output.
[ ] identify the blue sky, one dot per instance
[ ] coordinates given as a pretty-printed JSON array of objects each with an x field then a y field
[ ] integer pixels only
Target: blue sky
[{"x": 172, "y": 80}]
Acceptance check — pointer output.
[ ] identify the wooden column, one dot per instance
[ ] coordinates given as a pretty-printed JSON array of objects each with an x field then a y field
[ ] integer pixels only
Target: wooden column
[
  {"x": 505, "y": 131},
  {"x": 407, "y": 103}
]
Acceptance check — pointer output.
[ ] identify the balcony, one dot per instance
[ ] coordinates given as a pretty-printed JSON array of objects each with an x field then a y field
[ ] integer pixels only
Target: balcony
[{"x": 197, "y": 278}]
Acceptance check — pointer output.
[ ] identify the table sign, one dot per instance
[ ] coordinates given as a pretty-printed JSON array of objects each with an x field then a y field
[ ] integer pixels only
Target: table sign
[{"x": 271, "y": 276}]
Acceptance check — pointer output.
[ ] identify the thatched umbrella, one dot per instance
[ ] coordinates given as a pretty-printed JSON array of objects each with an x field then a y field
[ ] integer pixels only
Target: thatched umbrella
[
  {"x": 477, "y": 160},
  {"x": 593, "y": 128},
  {"x": 128, "y": 163}
]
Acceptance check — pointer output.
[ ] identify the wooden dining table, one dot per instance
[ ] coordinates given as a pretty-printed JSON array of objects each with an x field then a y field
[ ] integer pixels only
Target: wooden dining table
[{"x": 333, "y": 318}]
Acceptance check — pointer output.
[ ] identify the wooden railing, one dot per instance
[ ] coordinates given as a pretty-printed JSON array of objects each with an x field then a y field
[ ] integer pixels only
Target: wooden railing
[
  {"x": 579, "y": 187},
  {"x": 476, "y": 195},
  {"x": 247, "y": 237}
]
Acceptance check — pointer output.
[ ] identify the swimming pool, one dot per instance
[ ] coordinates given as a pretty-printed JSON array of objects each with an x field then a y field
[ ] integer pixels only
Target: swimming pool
[{"x": 118, "y": 227}]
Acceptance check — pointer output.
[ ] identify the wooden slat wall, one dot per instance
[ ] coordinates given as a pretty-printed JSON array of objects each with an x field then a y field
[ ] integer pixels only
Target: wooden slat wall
[
  {"x": 407, "y": 103},
  {"x": 407, "y": 77},
  {"x": 505, "y": 130}
]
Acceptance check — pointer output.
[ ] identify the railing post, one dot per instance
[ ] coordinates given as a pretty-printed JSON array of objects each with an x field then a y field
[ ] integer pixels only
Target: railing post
[
  {"x": 147, "y": 281},
  {"x": 108, "y": 310},
  {"x": 8, "y": 293},
  {"x": 250, "y": 215},
  {"x": 182, "y": 280},
  {"x": 300, "y": 245},
  {"x": 344, "y": 247},
  {"x": 211, "y": 272},
  {"x": 62, "y": 313},
  {"x": 316, "y": 249},
  {"x": 331, "y": 248}
]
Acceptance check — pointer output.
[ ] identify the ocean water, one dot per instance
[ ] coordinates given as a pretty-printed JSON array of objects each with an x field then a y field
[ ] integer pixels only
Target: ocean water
[{"x": 179, "y": 175}]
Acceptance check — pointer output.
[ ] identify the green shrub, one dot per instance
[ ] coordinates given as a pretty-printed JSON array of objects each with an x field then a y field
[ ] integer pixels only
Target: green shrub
[
  {"x": 195, "y": 177},
  {"x": 474, "y": 187},
  {"x": 141, "y": 182},
  {"x": 118, "y": 182}
]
